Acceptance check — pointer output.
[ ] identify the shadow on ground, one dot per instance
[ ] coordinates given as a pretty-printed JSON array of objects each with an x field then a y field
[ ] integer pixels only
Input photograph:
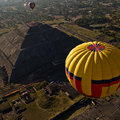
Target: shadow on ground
[
  {"x": 67, "y": 113},
  {"x": 43, "y": 48}
]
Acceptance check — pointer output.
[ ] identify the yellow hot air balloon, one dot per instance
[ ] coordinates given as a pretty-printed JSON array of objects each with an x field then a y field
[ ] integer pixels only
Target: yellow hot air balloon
[{"x": 93, "y": 69}]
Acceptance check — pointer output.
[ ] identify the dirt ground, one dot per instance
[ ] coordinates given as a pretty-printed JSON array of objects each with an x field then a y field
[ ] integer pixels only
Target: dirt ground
[{"x": 103, "y": 110}]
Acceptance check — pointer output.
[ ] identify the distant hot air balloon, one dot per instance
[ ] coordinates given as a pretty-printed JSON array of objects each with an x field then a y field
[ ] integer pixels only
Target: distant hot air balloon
[
  {"x": 32, "y": 5},
  {"x": 25, "y": 4},
  {"x": 93, "y": 69}
]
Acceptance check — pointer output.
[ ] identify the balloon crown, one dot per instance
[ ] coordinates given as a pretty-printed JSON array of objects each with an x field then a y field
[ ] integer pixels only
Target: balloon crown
[{"x": 96, "y": 47}]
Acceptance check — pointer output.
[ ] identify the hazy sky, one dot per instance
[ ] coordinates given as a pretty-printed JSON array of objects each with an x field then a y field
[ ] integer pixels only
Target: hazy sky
[{"x": 3, "y": 0}]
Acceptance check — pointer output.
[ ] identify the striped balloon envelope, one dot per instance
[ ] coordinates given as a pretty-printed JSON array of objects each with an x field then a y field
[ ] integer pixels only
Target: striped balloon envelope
[
  {"x": 93, "y": 69},
  {"x": 32, "y": 5}
]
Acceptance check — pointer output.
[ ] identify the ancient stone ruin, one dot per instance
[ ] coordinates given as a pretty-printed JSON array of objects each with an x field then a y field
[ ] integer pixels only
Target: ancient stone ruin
[{"x": 29, "y": 47}]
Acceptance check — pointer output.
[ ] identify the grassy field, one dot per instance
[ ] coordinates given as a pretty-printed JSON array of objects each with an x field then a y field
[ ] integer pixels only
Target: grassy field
[
  {"x": 53, "y": 23},
  {"x": 70, "y": 34},
  {"x": 46, "y": 107},
  {"x": 34, "y": 112},
  {"x": 81, "y": 30},
  {"x": 43, "y": 108}
]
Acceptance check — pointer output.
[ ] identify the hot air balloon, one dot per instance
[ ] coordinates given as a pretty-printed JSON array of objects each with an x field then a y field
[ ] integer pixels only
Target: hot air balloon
[
  {"x": 25, "y": 4},
  {"x": 32, "y": 5},
  {"x": 93, "y": 69}
]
